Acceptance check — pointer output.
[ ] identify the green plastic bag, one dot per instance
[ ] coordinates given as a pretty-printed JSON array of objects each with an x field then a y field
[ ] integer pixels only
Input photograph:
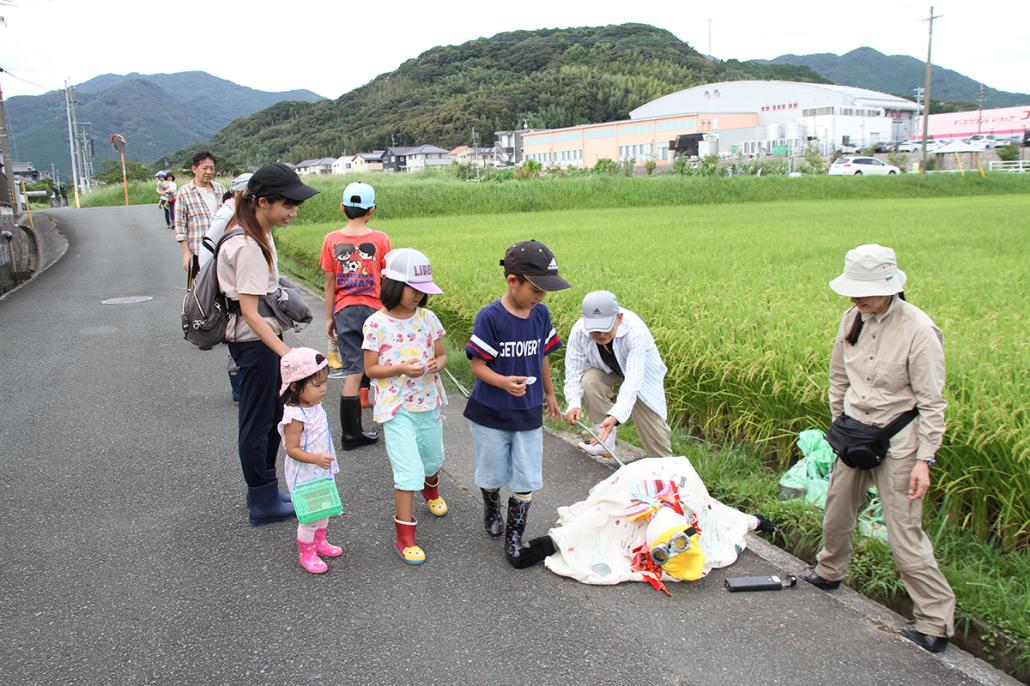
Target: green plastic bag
[{"x": 809, "y": 479}]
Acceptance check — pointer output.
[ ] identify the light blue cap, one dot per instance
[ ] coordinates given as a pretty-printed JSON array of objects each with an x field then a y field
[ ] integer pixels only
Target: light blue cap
[{"x": 359, "y": 195}]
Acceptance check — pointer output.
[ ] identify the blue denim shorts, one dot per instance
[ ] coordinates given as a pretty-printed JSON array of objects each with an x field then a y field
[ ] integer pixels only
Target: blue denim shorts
[
  {"x": 508, "y": 458},
  {"x": 349, "y": 335},
  {"x": 414, "y": 444}
]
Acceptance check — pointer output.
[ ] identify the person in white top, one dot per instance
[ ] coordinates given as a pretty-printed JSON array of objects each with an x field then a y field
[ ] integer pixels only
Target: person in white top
[{"x": 611, "y": 348}]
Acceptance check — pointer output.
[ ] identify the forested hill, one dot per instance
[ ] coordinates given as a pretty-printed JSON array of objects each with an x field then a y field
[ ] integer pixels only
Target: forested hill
[
  {"x": 869, "y": 68},
  {"x": 549, "y": 77},
  {"x": 157, "y": 113}
]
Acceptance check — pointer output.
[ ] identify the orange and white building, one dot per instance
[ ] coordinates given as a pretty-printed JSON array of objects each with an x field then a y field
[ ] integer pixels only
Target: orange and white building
[{"x": 745, "y": 117}]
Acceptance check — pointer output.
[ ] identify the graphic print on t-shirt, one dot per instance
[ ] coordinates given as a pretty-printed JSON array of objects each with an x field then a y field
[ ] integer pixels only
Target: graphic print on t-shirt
[{"x": 357, "y": 268}]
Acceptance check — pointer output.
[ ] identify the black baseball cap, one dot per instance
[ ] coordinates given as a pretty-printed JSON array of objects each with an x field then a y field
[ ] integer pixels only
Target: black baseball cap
[
  {"x": 278, "y": 179},
  {"x": 535, "y": 261}
]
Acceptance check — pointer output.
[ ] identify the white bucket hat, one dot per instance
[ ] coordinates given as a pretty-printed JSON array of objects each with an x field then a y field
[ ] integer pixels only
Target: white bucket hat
[{"x": 869, "y": 270}]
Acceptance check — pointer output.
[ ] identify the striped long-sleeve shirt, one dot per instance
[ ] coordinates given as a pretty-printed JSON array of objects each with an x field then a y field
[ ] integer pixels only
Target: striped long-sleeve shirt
[
  {"x": 635, "y": 351},
  {"x": 193, "y": 215}
]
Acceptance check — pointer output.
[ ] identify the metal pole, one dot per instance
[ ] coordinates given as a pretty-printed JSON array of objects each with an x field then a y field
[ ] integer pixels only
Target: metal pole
[
  {"x": 71, "y": 143},
  {"x": 926, "y": 92},
  {"x": 125, "y": 183}
]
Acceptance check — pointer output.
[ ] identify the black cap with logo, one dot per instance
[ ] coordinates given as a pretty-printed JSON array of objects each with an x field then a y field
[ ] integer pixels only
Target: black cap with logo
[
  {"x": 278, "y": 179},
  {"x": 535, "y": 261}
]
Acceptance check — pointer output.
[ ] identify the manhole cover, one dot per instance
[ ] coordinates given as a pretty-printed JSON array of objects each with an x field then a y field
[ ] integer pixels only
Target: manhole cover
[{"x": 128, "y": 300}]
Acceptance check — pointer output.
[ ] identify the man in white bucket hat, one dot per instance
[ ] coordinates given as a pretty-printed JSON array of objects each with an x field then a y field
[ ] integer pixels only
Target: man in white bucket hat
[{"x": 888, "y": 358}]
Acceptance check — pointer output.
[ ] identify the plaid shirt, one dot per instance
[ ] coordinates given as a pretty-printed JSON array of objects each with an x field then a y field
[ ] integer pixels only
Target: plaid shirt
[{"x": 193, "y": 215}]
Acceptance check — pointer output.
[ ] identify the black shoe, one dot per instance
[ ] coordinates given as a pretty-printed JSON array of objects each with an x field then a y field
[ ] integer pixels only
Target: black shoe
[
  {"x": 348, "y": 442},
  {"x": 518, "y": 510},
  {"x": 764, "y": 524},
  {"x": 934, "y": 644},
  {"x": 819, "y": 582},
  {"x": 492, "y": 521}
]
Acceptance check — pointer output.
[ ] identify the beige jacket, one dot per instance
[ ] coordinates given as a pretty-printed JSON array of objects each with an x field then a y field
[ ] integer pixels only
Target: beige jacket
[{"x": 897, "y": 364}]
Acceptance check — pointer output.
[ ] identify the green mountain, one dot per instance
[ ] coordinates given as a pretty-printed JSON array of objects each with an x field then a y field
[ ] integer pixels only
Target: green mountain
[
  {"x": 547, "y": 78},
  {"x": 869, "y": 68},
  {"x": 156, "y": 113}
]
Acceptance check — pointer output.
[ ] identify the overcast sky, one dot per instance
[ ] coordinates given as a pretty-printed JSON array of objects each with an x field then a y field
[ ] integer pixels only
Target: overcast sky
[{"x": 333, "y": 46}]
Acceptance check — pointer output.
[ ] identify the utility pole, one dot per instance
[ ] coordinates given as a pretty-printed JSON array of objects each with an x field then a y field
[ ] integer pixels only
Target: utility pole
[
  {"x": 926, "y": 91},
  {"x": 71, "y": 141},
  {"x": 80, "y": 155},
  {"x": 980, "y": 112},
  {"x": 475, "y": 151},
  {"x": 8, "y": 190},
  {"x": 709, "y": 39}
]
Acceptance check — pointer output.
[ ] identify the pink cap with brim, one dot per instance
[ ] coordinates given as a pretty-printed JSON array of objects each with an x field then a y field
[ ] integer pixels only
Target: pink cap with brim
[
  {"x": 299, "y": 364},
  {"x": 411, "y": 267},
  {"x": 869, "y": 270}
]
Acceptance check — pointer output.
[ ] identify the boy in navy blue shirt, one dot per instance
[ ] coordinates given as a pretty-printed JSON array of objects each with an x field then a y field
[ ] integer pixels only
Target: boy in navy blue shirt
[{"x": 511, "y": 340}]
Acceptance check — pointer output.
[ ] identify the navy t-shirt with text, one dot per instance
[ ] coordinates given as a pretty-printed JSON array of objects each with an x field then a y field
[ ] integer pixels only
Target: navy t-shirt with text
[{"x": 511, "y": 346}]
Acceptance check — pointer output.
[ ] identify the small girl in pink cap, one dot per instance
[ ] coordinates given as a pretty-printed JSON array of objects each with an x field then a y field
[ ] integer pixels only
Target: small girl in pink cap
[{"x": 309, "y": 445}]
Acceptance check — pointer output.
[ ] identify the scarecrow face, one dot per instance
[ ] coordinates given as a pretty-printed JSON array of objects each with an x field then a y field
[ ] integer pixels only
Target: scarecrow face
[
  {"x": 671, "y": 546},
  {"x": 679, "y": 554}
]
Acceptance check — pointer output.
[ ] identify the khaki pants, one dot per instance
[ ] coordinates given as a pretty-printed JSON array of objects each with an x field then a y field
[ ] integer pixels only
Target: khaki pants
[
  {"x": 598, "y": 395},
  {"x": 932, "y": 598}
]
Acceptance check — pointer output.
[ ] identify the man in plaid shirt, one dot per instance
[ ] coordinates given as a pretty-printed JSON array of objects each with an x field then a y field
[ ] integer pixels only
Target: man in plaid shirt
[{"x": 195, "y": 207}]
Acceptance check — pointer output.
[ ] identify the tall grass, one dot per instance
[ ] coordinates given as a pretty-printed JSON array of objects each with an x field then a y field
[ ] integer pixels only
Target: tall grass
[
  {"x": 736, "y": 297},
  {"x": 435, "y": 194}
]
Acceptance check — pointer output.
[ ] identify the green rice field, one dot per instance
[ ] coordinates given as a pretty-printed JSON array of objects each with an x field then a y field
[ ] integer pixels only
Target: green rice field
[{"x": 736, "y": 295}]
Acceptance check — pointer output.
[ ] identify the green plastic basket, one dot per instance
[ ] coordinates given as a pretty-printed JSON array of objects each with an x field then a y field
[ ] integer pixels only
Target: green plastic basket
[{"x": 313, "y": 500}]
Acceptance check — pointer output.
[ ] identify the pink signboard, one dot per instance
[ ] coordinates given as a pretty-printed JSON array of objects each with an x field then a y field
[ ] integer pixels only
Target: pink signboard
[{"x": 1003, "y": 121}]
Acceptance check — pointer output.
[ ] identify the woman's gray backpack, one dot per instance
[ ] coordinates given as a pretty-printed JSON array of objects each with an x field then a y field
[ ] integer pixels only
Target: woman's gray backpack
[{"x": 205, "y": 312}]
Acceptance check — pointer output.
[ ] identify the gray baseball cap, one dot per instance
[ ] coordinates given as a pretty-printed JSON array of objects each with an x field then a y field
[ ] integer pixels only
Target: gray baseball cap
[{"x": 600, "y": 308}]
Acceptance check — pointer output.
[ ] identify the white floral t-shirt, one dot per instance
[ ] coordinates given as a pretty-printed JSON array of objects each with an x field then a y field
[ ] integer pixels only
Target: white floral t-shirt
[
  {"x": 398, "y": 340},
  {"x": 316, "y": 438}
]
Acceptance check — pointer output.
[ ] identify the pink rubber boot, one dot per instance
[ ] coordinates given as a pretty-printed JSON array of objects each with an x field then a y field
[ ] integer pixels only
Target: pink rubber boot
[
  {"x": 324, "y": 547},
  {"x": 309, "y": 559}
]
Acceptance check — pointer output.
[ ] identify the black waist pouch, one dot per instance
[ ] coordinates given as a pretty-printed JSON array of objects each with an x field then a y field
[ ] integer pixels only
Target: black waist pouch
[{"x": 861, "y": 446}]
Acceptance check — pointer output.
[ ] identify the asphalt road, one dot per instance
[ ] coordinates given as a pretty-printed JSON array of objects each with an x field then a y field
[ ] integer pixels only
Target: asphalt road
[{"x": 127, "y": 557}]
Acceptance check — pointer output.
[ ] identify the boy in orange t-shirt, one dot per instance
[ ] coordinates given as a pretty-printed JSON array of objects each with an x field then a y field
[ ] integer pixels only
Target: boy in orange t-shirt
[{"x": 352, "y": 259}]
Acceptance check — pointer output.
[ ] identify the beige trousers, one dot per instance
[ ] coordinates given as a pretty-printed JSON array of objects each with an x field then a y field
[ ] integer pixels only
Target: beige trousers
[
  {"x": 932, "y": 598},
  {"x": 598, "y": 396}
]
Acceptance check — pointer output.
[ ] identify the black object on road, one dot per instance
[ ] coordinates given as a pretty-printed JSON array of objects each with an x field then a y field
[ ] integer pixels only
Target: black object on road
[{"x": 760, "y": 583}]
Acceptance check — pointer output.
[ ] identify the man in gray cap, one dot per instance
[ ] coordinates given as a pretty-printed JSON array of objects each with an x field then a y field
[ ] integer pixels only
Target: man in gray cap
[{"x": 611, "y": 348}]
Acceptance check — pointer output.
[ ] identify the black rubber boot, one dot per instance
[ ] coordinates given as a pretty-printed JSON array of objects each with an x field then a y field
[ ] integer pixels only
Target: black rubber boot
[
  {"x": 536, "y": 551},
  {"x": 350, "y": 424},
  {"x": 518, "y": 510},
  {"x": 492, "y": 521}
]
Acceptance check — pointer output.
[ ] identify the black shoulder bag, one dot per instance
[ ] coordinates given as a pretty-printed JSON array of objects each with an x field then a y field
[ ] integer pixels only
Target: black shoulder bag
[{"x": 861, "y": 446}]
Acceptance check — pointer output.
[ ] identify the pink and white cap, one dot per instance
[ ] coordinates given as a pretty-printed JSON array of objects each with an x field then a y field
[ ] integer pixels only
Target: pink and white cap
[
  {"x": 410, "y": 266},
  {"x": 299, "y": 364}
]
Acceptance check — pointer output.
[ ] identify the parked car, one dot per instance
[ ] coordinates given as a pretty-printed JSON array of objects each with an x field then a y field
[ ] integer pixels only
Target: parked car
[
  {"x": 885, "y": 146},
  {"x": 988, "y": 140},
  {"x": 847, "y": 148},
  {"x": 860, "y": 166},
  {"x": 916, "y": 144}
]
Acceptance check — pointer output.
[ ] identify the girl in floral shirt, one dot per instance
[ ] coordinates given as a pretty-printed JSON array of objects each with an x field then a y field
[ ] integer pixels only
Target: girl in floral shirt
[{"x": 404, "y": 354}]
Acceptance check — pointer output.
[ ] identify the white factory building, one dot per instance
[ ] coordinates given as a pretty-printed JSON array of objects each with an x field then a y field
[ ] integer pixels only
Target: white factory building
[{"x": 747, "y": 117}]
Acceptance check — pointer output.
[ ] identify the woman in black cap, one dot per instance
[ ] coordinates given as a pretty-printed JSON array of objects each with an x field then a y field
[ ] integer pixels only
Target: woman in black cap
[{"x": 247, "y": 272}]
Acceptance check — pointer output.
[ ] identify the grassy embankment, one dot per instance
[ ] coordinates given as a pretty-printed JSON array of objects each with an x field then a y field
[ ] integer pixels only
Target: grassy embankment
[{"x": 736, "y": 296}]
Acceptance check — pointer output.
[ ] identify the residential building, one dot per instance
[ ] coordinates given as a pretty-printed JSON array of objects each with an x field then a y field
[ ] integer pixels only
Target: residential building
[
  {"x": 319, "y": 166},
  {"x": 367, "y": 161},
  {"x": 480, "y": 157},
  {"x": 417, "y": 158}
]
